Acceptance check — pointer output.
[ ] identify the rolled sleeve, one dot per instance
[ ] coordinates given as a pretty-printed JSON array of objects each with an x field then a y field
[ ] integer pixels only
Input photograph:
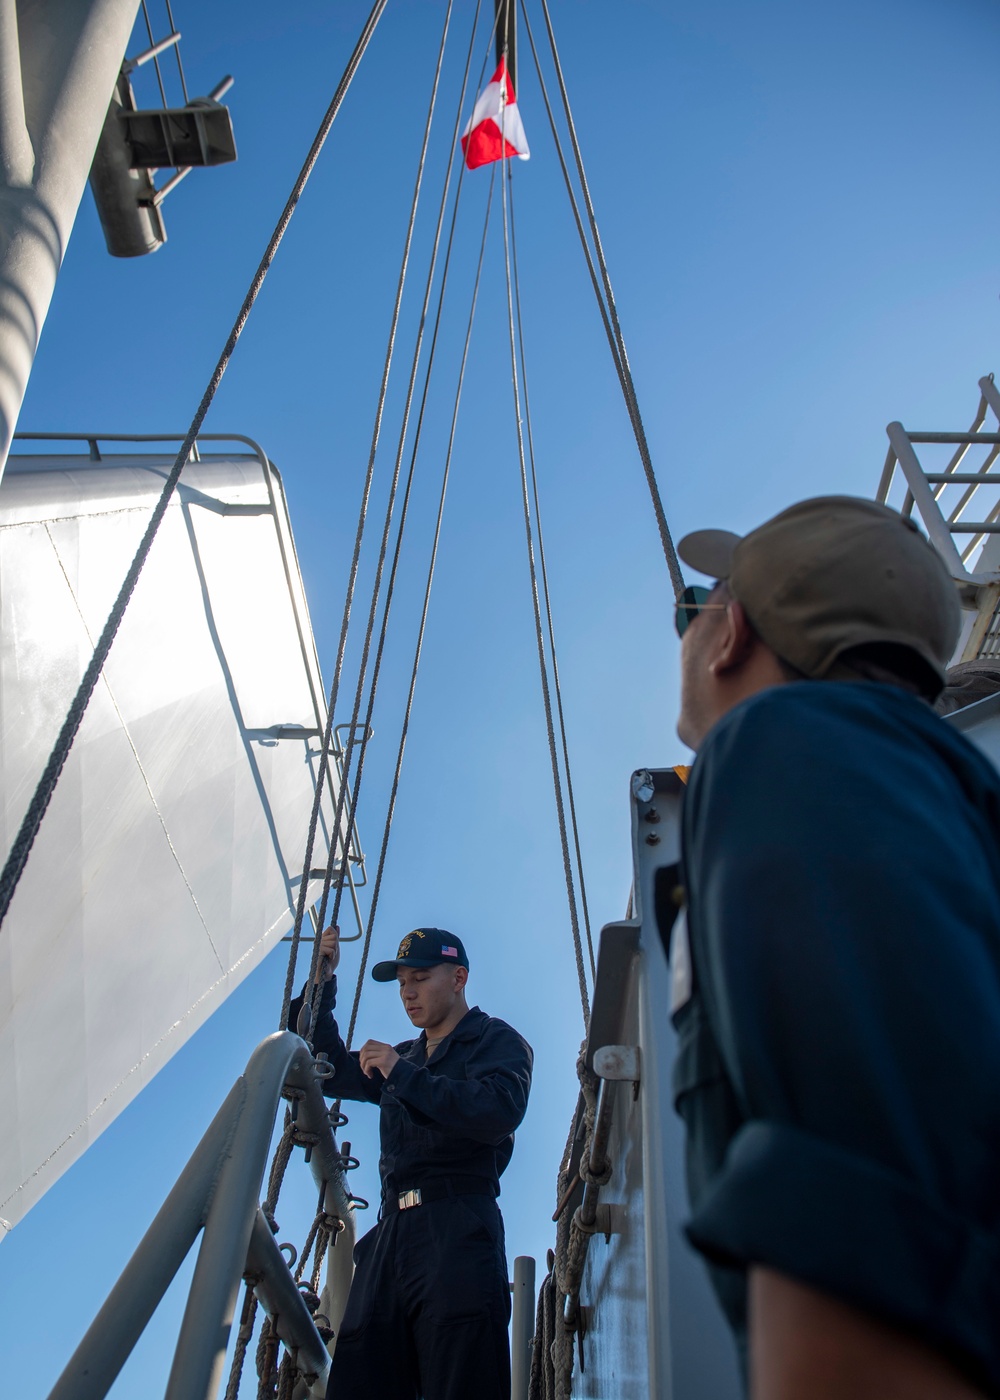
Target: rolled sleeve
[{"x": 842, "y": 1223}]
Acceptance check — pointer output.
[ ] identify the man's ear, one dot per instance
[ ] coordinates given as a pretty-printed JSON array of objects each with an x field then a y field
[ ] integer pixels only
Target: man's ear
[
  {"x": 461, "y": 977},
  {"x": 736, "y": 643}
]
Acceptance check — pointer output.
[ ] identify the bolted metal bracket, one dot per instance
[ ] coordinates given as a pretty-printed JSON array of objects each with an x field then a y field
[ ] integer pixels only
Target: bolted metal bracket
[
  {"x": 610, "y": 1219},
  {"x": 618, "y": 1062}
]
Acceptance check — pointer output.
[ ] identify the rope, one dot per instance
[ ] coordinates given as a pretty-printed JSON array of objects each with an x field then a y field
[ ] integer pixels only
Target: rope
[
  {"x": 556, "y": 686},
  {"x": 609, "y": 312},
  {"x": 177, "y": 51},
  {"x": 404, "y": 510},
  {"x": 310, "y": 1241},
  {"x": 321, "y": 1232},
  {"x": 21, "y": 849},
  {"x": 576, "y": 210},
  {"x": 390, "y": 811},
  {"x": 156, "y": 58},
  {"x": 267, "y": 1356},
  {"x": 323, "y": 1237},
  {"x": 248, "y": 1316},
  {"x": 282, "y": 1154},
  {"x": 669, "y": 552},
  {"x": 327, "y": 744},
  {"x": 286, "y": 1378},
  {"x": 323, "y": 1228},
  {"x": 390, "y": 588},
  {"x": 539, "y": 634},
  {"x": 391, "y": 808},
  {"x": 541, "y": 1383}
]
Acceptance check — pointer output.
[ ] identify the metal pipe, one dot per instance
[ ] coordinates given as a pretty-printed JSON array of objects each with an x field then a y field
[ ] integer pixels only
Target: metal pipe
[
  {"x": 328, "y": 1174},
  {"x": 69, "y": 53},
  {"x": 325, "y": 1161},
  {"x": 957, "y": 457},
  {"x": 222, "y": 88},
  {"x": 969, "y": 438},
  {"x": 982, "y": 471},
  {"x": 522, "y": 1326},
  {"x": 281, "y": 1300},
  {"x": 925, "y": 502},
  {"x": 961, "y": 478},
  {"x": 108, "y": 1342},
  {"x": 171, "y": 184},
  {"x": 988, "y": 389},
  {"x": 154, "y": 52},
  {"x": 17, "y": 158},
  {"x": 208, "y": 1316},
  {"x": 882, "y": 494},
  {"x": 217, "y": 1190},
  {"x": 597, "y": 1160},
  {"x": 977, "y": 536}
]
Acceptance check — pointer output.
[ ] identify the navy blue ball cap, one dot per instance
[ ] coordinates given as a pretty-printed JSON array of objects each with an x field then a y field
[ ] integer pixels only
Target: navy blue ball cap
[{"x": 424, "y": 947}]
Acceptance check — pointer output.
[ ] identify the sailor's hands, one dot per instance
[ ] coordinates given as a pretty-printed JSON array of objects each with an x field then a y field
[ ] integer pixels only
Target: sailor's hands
[
  {"x": 376, "y": 1056},
  {"x": 329, "y": 954}
]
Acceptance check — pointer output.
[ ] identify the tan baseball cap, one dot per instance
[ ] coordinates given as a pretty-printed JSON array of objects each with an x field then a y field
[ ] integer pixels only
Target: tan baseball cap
[{"x": 832, "y": 573}]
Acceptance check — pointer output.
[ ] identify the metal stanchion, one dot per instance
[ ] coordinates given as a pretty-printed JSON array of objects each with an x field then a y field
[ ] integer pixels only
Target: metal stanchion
[{"x": 522, "y": 1325}]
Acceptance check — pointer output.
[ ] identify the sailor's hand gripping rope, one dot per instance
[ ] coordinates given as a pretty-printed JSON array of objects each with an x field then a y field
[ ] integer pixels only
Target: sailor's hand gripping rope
[{"x": 329, "y": 954}]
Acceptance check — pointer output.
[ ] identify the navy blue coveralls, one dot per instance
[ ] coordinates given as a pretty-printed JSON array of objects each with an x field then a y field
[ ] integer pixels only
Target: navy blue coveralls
[
  {"x": 429, "y": 1307},
  {"x": 838, "y": 1066}
]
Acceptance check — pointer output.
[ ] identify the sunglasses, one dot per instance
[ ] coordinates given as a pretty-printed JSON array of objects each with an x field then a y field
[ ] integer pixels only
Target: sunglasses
[{"x": 691, "y": 602}]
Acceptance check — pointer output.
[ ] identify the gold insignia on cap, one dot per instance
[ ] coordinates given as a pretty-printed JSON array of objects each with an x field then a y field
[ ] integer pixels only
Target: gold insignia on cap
[{"x": 404, "y": 948}]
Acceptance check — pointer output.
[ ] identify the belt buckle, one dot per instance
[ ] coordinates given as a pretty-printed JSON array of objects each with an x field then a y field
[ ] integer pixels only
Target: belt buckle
[{"x": 407, "y": 1199}]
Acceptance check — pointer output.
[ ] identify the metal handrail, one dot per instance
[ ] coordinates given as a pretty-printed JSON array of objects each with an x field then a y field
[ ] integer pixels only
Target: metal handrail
[
  {"x": 925, "y": 489},
  {"x": 218, "y": 1193}
]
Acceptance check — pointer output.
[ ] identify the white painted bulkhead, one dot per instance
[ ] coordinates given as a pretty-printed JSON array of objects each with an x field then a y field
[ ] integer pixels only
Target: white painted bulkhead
[{"x": 168, "y": 863}]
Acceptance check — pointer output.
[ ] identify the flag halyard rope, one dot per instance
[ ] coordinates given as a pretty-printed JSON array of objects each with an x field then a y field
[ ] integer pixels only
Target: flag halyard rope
[
  {"x": 390, "y": 585},
  {"x": 418, "y": 649},
  {"x": 608, "y": 306},
  {"x": 336, "y": 835},
  {"x": 359, "y": 694},
  {"x": 544, "y": 572},
  {"x": 539, "y": 632}
]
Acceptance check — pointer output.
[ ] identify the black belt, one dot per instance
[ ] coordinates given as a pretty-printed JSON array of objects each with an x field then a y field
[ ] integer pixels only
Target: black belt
[{"x": 437, "y": 1191}]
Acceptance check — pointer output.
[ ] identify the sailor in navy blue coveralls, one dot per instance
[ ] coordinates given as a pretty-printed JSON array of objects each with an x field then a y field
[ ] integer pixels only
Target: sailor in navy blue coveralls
[
  {"x": 836, "y": 974},
  {"x": 429, "y": 1306}
]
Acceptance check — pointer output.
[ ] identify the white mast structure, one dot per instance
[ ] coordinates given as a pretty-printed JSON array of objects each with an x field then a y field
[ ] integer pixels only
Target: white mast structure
[{"x": 59, "y": 61}]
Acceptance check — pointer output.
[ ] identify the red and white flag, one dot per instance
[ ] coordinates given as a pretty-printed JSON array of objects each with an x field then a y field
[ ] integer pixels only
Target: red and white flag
[{"x": 495, "y": 129}]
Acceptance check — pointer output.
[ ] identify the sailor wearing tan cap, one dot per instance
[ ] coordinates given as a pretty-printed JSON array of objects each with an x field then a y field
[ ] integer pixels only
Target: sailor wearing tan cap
[{"x": 836, "y": 978}]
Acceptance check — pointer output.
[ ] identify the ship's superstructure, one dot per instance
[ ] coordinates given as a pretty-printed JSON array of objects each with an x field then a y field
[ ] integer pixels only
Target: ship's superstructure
[
  {"x": 195, "y": 766},
  {"x": 208, "y": 761}
]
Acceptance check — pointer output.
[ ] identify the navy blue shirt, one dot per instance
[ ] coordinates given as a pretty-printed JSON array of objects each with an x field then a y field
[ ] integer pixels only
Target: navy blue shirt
[
  {"x": 447, "y": 1118},
  {"x": 839, "y": 1045}
]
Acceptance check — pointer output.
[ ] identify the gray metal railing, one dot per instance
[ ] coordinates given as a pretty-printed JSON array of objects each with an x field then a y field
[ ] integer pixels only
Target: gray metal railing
[
  {"x": 218, "y": 1193},
  {"x": 945, "y": 512},
  {"x": 522, "y": 1325}
]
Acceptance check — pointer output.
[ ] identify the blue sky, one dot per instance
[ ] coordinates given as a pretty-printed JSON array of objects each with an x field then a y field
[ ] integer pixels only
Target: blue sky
[{"x": 798, "y": 211}]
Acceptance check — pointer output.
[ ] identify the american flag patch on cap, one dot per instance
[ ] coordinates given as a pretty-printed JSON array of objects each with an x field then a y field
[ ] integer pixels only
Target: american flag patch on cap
[{"x": 448, "y": 952}]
